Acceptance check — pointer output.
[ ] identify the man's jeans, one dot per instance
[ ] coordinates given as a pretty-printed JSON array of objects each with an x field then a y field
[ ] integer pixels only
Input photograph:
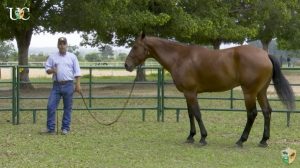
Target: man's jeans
[{"x": 65, "y": 91}]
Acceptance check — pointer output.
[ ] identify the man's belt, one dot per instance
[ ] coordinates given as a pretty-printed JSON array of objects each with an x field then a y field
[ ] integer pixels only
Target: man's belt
[{"x": 63, "y": 82}]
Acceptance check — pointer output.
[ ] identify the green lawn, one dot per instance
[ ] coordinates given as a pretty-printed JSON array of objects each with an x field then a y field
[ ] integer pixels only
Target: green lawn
[{"x": 134, "y": 143}]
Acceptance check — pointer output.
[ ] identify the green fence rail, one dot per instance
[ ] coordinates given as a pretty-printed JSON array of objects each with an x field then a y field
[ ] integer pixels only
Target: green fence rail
[
  {"x": 163, "y": 98},
  {"x": 10, "y": 95}
]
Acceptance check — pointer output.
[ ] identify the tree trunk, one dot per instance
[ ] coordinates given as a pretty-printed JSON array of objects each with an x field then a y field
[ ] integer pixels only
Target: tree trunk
[
  {"x": 217, "y": 44},
  {"x": 23, "y": 38},
  {"x": 265, "y": 44},
  {"x": 140, "y": 74}
]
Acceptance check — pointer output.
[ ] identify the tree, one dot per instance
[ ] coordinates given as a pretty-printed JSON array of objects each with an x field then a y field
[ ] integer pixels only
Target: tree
[
  {"x": 74, "y": 49},
  {"x": 122, "y": 56},
  {"x": 289, "y": 38},
  {"x": 127, "y": 18},
  {"x": 34, "y": 16},
  {"x": 92, "y": 57},
  {"x": 40, "y": 57},
  {"x": 38, "y": 16},
  {"x": 106, "y": 51},
  {"x": 6, "y": 50},
  {"x": 272, "y": 17},
  {"x": 217, "y": 22}
]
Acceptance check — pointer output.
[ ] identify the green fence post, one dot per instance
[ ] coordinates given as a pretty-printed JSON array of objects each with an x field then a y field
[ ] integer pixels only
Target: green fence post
[
  {"x": 231, "y": 99},
  {"x": 34, "y": 116},
  {"x": 162, "y": 95},
  {"x": 288, "y": 118},
  {"x": 158, "y": 94},
  {"x": 90, "y": 87},
  {"x": 143, "y": 114},
  {"x": 18, "y": 94},
  {"x": 177, "y": 115},
  {"x": 14, "y": 97}
]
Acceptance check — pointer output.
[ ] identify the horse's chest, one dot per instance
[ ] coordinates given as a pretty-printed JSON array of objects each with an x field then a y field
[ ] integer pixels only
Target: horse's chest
[{"x": 184, "y": 81}]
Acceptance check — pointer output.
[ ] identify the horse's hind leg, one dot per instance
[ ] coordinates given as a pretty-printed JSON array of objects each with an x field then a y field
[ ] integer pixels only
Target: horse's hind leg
[
  {"x": 266, "y": 110},
  {"x": 194, "y": 111},
  {"x": 250, "y": 102}
]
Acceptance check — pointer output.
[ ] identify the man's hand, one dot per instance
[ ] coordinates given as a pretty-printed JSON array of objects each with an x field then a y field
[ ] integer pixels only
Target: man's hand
[
  {"x": 77, "y": 85},
  {"x": 78, "y": 88},
  {"x": 52, "y": 71}
]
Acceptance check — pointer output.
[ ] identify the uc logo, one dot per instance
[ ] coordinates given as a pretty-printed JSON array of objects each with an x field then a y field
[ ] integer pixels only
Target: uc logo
[{"x": 18, "y": 13}]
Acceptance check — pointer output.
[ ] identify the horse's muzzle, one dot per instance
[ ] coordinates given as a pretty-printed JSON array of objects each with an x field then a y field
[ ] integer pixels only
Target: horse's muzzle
[{"x": 128, "y": 68}]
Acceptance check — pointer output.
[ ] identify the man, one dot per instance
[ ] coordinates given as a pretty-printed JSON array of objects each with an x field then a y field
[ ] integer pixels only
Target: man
[{"x": 64, "y": 67}]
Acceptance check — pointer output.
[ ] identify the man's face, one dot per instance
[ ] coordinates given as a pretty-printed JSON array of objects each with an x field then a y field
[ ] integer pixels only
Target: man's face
[{"x": 62, "y": 47}]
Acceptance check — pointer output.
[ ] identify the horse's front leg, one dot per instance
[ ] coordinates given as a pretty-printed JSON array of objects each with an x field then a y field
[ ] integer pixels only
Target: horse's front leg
[{"x": 194, "y": 111}]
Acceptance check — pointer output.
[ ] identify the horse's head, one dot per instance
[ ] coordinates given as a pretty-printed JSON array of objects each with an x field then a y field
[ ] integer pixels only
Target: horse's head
[{"x": 137, "y": 54}]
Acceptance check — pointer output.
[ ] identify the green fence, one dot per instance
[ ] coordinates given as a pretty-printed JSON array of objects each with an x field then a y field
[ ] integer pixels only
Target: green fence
[
  {"x": 8, "y": 88},
  {"x": 231, "y": 100},
  {"x": 98, "y": 88},
  {"x": 99, "y": 85}
]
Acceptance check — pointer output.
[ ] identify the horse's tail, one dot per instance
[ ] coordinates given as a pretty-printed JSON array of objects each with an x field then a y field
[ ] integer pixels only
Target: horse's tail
[{"x": 282, "y": 86}]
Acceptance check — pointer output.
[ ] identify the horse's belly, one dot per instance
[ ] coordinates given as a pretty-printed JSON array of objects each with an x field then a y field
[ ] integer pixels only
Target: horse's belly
[{"x": 218, "y": 86}]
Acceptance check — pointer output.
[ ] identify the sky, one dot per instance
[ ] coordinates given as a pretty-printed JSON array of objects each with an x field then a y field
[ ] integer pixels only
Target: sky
[
  {"x": 50, "y": 40},
  {"x": 46, "y": 40}
]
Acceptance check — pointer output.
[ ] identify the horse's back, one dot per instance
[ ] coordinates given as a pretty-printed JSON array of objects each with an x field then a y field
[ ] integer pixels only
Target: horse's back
[{"x": 238, "y": 66}]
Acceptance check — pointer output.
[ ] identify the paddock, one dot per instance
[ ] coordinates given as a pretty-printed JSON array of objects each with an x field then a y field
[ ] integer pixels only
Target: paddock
[{"x": 141, "y": 138}]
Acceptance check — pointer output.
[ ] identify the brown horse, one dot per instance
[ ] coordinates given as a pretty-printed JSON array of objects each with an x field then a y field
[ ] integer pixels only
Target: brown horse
[{"x": 195, "y": 69}]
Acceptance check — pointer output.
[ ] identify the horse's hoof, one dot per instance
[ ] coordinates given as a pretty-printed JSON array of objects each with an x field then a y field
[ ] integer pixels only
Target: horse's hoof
[
  {"x": 239, "y": 144},
  {"x": 203, "y": 143},
  {"x": 263, "y": 144},
  {"x": 190, "y": 141}
]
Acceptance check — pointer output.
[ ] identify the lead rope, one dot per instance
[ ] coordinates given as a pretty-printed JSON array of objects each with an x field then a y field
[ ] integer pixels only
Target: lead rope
[{"x": 120, "y": 114}]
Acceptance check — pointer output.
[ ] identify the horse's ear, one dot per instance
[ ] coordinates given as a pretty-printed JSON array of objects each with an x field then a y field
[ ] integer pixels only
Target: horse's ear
[{"x": 143, "y": 35}]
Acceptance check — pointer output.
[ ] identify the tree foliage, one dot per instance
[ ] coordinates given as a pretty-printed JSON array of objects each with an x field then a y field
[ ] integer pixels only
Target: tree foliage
[
  {"x": 289, "y": 38},
  {"x": 93, "y": 57},
  {"x": 7, "y": 50},
  {"x": 107, "y": 51},
  {"x": 118, "y": 22},
  {"x": 41, "y": 18},
  {"x": 271, "y": 17},
  {"x": 193, "y": 21},
  {"x": 217, "y": 22},
  {"x": 40, "y": 57}
]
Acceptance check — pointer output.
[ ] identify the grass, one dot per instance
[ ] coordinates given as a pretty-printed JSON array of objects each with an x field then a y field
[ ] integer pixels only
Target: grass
[{"x": 133, "y": 143}]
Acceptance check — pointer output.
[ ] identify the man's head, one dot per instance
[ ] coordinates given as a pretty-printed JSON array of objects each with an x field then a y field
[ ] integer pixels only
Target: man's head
[{"x": 62, "y": 45}]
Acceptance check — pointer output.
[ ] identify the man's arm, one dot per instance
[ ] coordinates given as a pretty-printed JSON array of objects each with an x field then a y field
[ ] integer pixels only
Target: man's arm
[
  {"x": 77, "y": 84},
  {"x": 49, "y": 66}
]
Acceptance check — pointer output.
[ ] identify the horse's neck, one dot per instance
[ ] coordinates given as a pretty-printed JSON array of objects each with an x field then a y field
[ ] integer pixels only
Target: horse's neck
[{"x": 162, "y": 51}]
